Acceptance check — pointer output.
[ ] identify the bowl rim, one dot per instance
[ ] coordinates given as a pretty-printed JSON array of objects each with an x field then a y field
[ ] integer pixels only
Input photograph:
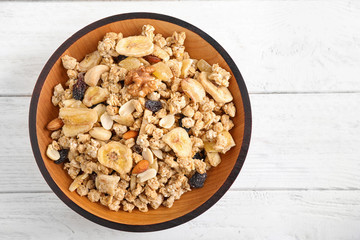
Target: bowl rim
[{"x": 158, "y": 226}]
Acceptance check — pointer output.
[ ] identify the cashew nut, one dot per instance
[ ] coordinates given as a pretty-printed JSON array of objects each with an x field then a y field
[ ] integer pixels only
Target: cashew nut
[
  {"x": 93, "y": 75},
  {"x": 220, "y": 94}
]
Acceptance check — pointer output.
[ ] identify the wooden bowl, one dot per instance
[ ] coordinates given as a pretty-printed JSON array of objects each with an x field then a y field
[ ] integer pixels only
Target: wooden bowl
[{"x": 199, "y": 45}]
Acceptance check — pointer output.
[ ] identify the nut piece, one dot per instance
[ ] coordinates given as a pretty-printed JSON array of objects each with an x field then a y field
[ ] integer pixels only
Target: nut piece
[
  {"x": 52, "y": 153},
  {"x": 130, "y": 134},
  {"x": 127, "y": 120},
  {"x": 167, "y": 121},
  {"x": 148, "y": 174},
  {"x": 142, "y": 166},
  {"x": 106, "y": 121},
  {"x": 158, "y": 153},
  {"x": 140, "y": 82},
  {"x": 148, "y": 155},
  {"x": 127, "y": 108},
  {"x": 92, "y": 76},
  {"x": 100, "y": 109},
  {"x": 100, "y": 133},
  {"x": 55, "y": 124}
]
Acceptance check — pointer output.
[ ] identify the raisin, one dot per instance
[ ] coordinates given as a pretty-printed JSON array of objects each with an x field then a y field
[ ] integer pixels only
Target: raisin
[
  {"x": 79, "y": 88},
  {"x": 197, "y": 180},
  {"x": 152, "y": 59},
  {"x": 119, "y": 58},
  {"x": 93, "y": 176},
  {"x": 200, "y": 155},
  {"x": 153, "y": 106},
  {"x": 136, "y": 148},
  {"x": 180, "y": 123},
  {"x": 63, "y": 156}
]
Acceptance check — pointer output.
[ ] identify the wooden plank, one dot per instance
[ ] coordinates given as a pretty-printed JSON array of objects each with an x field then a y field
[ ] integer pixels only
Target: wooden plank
[
  {"x": 279, "y": 46},
  {"x": 299, "y": 141},
  {"x": 238, "y": 215}
]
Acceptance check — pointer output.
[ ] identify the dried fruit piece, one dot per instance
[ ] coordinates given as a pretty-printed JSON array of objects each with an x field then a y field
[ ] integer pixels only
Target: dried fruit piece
[
  {"x": 130, "y": 63},
  {"x": 186, "y": 65},
  {"x": 100, "y": 133},
  {"x": 152, "y": 59},
  {"x": 79, "y": 88},
  {"x": 162, "y": 71},
  {"x": 220, "y": 94},
  {"x": 72, "y": 103},
  {"x": 148, "y": 155},
  {"x": 203, "y": 66},
  {"x": 55, "y": 124},
  {"x": 140, "y": 167},
  {"x": 78, "y": 116},
  {"x": 135, "y": 46},
  {"x": 197, "y": 180},
  {"x": 73, "y": 130},
  {"x": 153, "y": 106},
  {"x": 200, "y": 155},
  {"x": 130, "y": 134},
  {"x": 52, "y": 153},
  {"x": 63, "y": 156},
  {"x": 116, "y": 156},
  {"x": 92, "y": 76},
  {"x": 161, "y": 53},
  {"x": 224, "y": 141},
  {"x": 136, "y": 148},
  {"x": 148, "y": 174},
  {"x": 119, "y": 58},
  {"x": 90, "y": 60},
  {"x": 167, "y": 121},
  {"x": 94, "y": 95},
  {"x": 209, "y": 147},
  {"x": 213, "y": 158},
  {"x": 179, "y": 141},
  {"x": 193, "y": 89}
]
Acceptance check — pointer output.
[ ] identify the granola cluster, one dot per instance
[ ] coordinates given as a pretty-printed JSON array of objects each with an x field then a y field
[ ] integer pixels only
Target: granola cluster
[{"x": 140, "y": 122}]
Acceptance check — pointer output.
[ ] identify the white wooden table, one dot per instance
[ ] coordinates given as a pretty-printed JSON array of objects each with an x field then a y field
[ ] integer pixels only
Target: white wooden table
[{"x": 301, "y": 63}]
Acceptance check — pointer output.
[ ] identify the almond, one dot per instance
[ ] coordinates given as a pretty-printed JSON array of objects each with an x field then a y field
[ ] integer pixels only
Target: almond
[
  {"x": 148, "y": 174},
  {"x": 130, "y": 134},
  {"x": 152, "y": 59},
  {"x": 142, "y": 166},
  {"x": 55, "y": 124}
]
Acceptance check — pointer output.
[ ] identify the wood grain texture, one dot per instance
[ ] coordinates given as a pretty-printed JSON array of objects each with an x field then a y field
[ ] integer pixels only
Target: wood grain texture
[
  {"x": 325, "y": 126},
  {"x": 279, "y": 46},
  {"x": 239, "y": 215}
]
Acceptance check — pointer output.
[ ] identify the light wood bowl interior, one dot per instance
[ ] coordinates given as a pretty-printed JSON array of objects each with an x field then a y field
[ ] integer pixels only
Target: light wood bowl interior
[{"x": 198, "y": 48}]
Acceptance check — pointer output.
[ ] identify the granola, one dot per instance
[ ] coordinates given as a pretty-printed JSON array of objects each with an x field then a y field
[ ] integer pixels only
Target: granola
[{"x": 140, "y": 121}]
